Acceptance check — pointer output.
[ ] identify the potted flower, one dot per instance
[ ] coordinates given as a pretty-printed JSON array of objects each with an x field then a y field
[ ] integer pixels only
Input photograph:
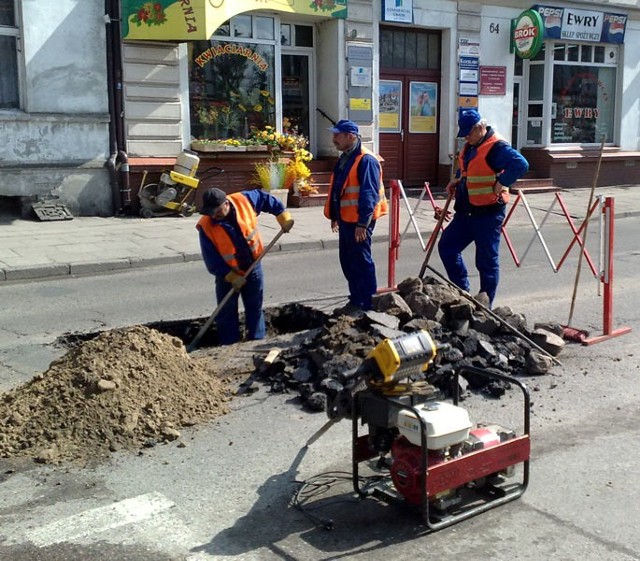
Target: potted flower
[
  {"x": 233, "y": 145},
  {"x": 270, "y": 176},
  {"x": 207, "y": 145},
  {"x": 297, "y": 171},
  {"x": 208, "y": 117},
  {"x": 253, "y": 145}
]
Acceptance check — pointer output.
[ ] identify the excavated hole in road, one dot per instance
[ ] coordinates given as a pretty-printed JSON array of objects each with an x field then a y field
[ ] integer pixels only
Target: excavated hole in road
[{"x": 285, "y": 319}]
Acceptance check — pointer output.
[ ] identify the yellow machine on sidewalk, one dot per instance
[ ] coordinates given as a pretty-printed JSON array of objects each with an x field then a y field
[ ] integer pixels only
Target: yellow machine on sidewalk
[{"x": 175, "y": 191}]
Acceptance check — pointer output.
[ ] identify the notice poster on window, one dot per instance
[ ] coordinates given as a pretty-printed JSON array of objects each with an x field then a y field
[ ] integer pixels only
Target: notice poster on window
[
  {"x": 423, "y": 100},
  {"x": 390, "y": 105}
]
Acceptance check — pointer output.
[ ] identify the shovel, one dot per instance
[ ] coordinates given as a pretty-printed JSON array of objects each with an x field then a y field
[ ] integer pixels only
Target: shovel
[{"x": 229, "y": 294}]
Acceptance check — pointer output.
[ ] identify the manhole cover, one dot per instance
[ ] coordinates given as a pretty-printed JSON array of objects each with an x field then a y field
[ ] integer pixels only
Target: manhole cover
[{"x": 51, "y": 211}]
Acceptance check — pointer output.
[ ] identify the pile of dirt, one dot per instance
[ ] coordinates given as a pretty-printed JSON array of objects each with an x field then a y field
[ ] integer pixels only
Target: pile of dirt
[{"x": 126, "y": 388}]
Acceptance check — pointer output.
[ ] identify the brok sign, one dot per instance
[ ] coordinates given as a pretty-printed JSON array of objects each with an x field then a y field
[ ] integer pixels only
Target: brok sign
[{"x": 528, "y": 34}]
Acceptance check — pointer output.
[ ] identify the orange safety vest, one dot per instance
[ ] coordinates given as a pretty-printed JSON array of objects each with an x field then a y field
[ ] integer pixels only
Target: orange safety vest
[
  {"x": 350, "y": 193},
  {"x": 480, "y": 177},
  {"x": 248, "y": 222}
]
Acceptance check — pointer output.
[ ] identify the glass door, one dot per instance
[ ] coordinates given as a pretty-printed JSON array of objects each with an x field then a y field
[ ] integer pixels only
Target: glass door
[{"x": 296, "y": 94}]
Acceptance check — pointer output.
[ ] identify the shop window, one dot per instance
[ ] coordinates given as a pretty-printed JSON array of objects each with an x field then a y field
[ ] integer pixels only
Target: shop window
[
  {"x": 9, "y": 91},
  {"x": 581, "y": 109},
  {"x": 598, "y": 55},
  {"x": 583, "y": 99},
  {"x": 285, "y": 34},
  {"x": 232, "y": 87},
  {"x": 536, "y": 82},
  {"x": 264, "y": 28},
  {"x": 304, "y": 36},
  {"x": 241, "y": 27},
  {"x": 224, "y": 30},
  {"x": 296, "y": 35},
  {"x": 559, "y": 52}
]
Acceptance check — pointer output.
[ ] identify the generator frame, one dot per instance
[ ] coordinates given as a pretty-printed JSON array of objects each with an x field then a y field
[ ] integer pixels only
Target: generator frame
[{"x": 454, "y": 473}]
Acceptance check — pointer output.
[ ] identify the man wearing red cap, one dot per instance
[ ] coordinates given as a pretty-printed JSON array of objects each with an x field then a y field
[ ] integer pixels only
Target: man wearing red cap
[
  {"x": 488, "y": 166},
  {"x": 356, "y": 200},
  {"x": 230, "y": 242}
]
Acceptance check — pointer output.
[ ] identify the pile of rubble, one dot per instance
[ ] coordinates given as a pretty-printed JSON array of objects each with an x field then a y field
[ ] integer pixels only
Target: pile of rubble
[{"x": 468, "y": 335}]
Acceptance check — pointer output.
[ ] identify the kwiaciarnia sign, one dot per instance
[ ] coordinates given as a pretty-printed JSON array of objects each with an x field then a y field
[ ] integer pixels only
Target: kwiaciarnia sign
[{"x": 193, "y": 20}]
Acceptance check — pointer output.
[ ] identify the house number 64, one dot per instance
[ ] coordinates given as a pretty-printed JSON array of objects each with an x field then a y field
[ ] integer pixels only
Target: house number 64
[{"x": 494, "y": 28}]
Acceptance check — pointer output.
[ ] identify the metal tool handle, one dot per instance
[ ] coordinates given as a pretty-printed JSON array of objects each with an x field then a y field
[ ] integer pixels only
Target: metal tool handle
[
  {"x": 229, "y": 294},
  {"x": 434, "y": 235},
  {"x": 495, "y": 316}
]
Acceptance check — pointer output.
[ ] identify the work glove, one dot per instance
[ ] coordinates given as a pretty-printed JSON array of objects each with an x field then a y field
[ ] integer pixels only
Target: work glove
[
  {"x": 437, "y": 214},
  {"x": 285, "y": 221},
  {"x": 236, "y": 280}
]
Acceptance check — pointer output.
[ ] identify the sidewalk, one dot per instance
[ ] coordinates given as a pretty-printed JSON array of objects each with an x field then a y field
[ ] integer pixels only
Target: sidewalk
[{"x": 30, "y": 249}]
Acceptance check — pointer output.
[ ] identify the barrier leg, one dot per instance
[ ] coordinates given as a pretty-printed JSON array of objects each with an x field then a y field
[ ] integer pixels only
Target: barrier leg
[
  {"x": 607, "y": 279},
  {"x": 394, "y": 233}
]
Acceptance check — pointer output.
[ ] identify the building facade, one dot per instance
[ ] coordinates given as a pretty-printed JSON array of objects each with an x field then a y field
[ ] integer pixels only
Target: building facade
[
  {"x": 54, "y": 110},
  {"x": 402, "y": 69}
]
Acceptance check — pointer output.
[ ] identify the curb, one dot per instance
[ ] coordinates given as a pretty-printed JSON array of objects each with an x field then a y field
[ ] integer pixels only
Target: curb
[{"x": 55, "y": 270}]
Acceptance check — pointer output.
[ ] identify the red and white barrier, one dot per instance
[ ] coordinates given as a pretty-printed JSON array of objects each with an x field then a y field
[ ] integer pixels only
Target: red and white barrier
[{"x": 605, "y": 276}]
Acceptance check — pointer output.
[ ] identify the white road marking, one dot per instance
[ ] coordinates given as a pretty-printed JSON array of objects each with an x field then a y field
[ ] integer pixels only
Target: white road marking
[{"x": 100, "y": 519}]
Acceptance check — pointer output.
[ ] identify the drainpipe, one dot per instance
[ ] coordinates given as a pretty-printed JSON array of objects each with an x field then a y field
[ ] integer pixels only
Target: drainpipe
[{"x": 118, "y": 162}]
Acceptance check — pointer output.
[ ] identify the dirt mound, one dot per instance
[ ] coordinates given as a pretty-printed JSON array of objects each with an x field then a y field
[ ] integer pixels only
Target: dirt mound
[{"x": 126, "y": 388}]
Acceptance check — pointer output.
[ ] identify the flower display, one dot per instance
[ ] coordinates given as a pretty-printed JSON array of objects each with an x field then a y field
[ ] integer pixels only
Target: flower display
[
  {"x": 267, "y": 136},
  {"x": 297, "y": 169},
  {"x": 149, "y": 13},
  {"x": 285, "y": 142},
  {"x": 208, "y": 117}
]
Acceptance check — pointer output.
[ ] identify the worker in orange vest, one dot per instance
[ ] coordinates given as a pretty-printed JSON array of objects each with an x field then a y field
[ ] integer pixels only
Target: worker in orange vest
[
  {"x": 356, "y": 200},
  {"x": 230, "y": 242},
  {"x": 487, "y": 167}
]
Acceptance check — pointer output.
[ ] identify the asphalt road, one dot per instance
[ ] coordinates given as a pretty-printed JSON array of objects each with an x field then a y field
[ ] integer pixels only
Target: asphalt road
[{"x": 225, "y": 496}]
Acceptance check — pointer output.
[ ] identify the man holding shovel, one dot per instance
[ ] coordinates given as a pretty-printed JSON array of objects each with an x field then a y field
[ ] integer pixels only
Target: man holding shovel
[{"x": 231, "y": 247}]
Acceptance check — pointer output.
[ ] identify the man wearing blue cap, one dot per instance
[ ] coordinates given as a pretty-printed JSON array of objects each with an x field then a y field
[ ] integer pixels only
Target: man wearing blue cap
[
  {"x": 356, "y": 200},
  {"x": 487, "y": 167}
]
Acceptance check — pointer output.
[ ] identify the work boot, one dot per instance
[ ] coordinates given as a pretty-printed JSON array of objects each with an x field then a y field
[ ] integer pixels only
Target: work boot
[
  {"x": 347, "y": 310},
  {"x": 483, "y": 299}
]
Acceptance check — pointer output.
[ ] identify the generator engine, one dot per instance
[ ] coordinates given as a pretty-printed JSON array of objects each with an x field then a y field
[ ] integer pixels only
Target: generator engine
[
  {"x": 407, "y": 461},
  {"x": 433, "y": 451}
]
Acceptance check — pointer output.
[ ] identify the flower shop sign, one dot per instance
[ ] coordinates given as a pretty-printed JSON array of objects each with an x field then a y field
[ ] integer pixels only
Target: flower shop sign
[
  {"x": 231, "y": 49},
  {"x": 196, "y": 20}
]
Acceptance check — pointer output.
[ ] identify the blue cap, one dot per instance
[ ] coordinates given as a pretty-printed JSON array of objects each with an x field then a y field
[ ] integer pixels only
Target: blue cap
[
  {"x": 466, "y": 122},
  {"x": 345, "y": 126}
]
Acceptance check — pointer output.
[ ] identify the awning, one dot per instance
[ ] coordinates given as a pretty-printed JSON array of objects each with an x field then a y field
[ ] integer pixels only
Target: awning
[{"x": 193, "y": 20}]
